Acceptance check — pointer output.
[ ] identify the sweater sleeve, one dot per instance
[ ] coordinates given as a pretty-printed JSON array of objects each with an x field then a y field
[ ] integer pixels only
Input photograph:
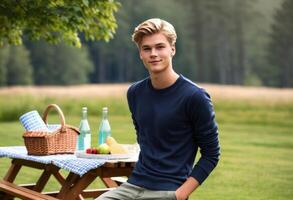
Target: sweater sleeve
[
  {"x": 205, "y": 135},
  {"x": 130, "y": 100}
]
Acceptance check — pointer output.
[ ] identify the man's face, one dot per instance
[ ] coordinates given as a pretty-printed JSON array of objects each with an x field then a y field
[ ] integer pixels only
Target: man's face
[{"x": 156, "y": 53}]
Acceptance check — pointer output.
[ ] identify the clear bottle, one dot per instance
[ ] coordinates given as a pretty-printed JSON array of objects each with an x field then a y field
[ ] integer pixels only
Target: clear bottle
[
  {"x": 104, "y": 129},
  {"x": 84, "y": 138}
]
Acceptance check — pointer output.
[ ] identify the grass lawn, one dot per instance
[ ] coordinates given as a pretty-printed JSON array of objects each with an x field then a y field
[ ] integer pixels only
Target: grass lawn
[{"x": 256, "y": 150}]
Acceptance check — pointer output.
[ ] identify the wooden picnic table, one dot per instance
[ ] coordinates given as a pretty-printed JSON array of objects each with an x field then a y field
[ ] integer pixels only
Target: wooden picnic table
[{"x": 73, "y": 186}]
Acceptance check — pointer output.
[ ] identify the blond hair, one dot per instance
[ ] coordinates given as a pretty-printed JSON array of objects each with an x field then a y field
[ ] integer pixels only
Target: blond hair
[{"x": 153, "y": 26}]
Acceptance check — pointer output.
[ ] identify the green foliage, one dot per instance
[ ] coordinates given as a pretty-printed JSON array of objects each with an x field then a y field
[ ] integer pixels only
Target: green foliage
[
  {"x": 15, "y": 66},
  {"x": 57, "y": 20},
  {"x": 4, "y": 55},
  {"x": 219, "y": 41},
  {"x": 117, "y": 61},
  {"x": 19, "y": 69},
  {"x": 60, "y": 64},
  {"x": 281, "y": 47}
]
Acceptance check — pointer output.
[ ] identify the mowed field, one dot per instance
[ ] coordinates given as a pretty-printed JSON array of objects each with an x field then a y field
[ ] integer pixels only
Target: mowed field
[
  {"x": 118, "y": 90},
  {"x": 255, "y": 129}
]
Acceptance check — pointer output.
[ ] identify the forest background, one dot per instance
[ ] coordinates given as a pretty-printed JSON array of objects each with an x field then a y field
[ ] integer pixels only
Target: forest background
[
  {"x": 219, "y": 41},
  {"x": 227, "y": 42}
]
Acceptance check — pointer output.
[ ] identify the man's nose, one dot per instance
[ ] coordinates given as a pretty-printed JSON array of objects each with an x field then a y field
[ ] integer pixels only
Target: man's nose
[{"x": 153, "y": 52}]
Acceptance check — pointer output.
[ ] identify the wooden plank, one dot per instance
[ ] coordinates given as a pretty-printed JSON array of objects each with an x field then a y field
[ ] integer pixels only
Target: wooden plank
[
  {"x": 119, "y": 163},
  {"x": 73, "y": 187},
  {"x": 122, "y": 164},
  {"x": 80, "y": 183},
  {"x": 15, "y": 167},
  {"x": 21, "y": 192},
  {"x": 111, "y": 164},
  {"x": 55, "y": 194},
  {"x": 69, "y": 182},
  {"x": 42, "y": 181},
  {"x": 29, "y": 163},
  {"x": 119, "y": 179},
  {"x": 12, "y": 172},
  {"x": 59, "y": 177},
  {"x": 94, "y": 193},
  {"x": 10, "y": 177},
  {"x": 44, "y": 178},
  {"x": 109, "y": 182},
  {"x": 89, "y": 193},
  {"x": 109, "y": 172},
  {"x": 28, "y": 185}
]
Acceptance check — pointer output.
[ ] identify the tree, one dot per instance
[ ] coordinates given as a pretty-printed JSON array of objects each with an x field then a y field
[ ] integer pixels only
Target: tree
[
  {"x": 219, "y": 38},
  {"x": 4, "y": 52},
  {"x": 281, "y": 47},
  {"x": 57, "y": 20},
  {"x": 118, "y": 60},
  {"x": 60, "y": 64},
  {"x": 18, "y": 67}
]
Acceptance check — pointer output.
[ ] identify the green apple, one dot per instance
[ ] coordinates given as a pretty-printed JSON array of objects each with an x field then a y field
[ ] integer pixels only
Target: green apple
[{"x": 104, "y": 148}]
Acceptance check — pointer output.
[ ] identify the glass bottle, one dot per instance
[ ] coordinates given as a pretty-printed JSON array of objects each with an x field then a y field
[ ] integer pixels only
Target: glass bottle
[
  {"x": 84, "y": 138},
  {"x": 104, "y": 129}
]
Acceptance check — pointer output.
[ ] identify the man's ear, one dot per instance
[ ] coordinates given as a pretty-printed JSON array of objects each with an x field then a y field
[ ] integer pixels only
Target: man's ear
[{"x": 173, "y": 50}]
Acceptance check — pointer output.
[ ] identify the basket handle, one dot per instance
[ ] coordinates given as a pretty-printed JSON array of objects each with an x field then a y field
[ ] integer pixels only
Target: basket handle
[{"x": 61, "y": 115}]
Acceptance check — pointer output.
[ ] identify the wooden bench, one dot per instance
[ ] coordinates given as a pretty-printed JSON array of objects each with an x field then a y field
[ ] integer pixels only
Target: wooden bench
[
  {"x": 21, "y": 192},
  {"x": 119, "y": 180}
]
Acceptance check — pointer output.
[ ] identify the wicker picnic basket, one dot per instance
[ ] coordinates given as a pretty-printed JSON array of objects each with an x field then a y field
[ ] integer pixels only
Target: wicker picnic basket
[{"x": 61, "y": 141}]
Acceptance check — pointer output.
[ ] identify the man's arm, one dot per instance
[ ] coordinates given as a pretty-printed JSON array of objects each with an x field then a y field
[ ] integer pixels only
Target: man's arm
[
  {"x": 186, "y": 188},
  {"x": 206, "y": 138}
]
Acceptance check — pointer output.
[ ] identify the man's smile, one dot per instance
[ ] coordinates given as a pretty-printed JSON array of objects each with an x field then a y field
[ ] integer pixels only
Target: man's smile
[{"x": 154, "y": 61}]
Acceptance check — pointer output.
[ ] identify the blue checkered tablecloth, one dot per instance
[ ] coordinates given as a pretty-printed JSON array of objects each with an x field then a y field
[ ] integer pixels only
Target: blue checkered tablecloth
[{"x": 68, "y": 162}]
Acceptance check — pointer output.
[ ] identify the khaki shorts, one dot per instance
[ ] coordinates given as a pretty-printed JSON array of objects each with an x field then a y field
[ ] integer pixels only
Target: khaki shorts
[{"x": 129, "y": 191}]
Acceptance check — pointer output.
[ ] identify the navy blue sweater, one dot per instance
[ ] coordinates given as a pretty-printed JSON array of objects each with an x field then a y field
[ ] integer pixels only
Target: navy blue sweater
[{"x": 171, "y": 124}]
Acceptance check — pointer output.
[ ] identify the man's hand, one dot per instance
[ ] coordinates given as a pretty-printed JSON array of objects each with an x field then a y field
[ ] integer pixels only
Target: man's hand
[
  {"x": 180, "y": 195},
  {"x": 183, "y": 192}
]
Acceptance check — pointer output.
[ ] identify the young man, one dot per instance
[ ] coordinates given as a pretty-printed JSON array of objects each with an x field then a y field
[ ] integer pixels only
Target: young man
[{"x": 173, "y": 117}]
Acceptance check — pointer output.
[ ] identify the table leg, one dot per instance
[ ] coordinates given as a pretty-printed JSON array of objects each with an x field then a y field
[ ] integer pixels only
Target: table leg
[
  {"x": 12, "y": 172},
  {"x": 44, "y": 178},
  {"x": 48, "y": 170},
  {"x": 10, "y": 177},
  {"x": 109, "y": 182},
  {"x": 70, "y": 180},
  {"x": 75, "y": 185},
  {"x": 59, "y": 177}
]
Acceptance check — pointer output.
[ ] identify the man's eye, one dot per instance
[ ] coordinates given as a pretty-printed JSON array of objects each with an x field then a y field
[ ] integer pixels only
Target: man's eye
[
  {"x": 161, "y": 47},
  {"x": 146, "y": 49}
]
